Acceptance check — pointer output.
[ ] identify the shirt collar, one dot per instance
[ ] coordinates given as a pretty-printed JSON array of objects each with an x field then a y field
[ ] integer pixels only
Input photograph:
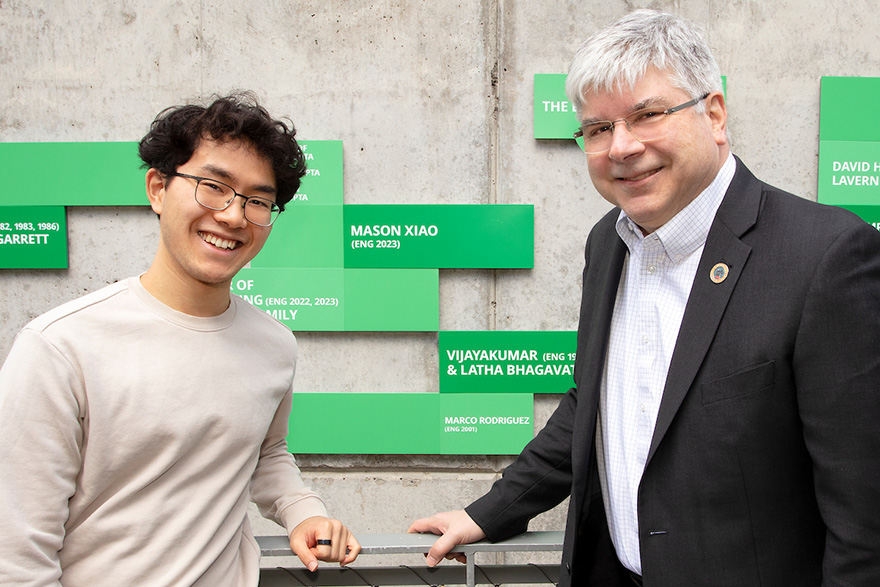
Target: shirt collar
[{"x": 685, "y": 232}]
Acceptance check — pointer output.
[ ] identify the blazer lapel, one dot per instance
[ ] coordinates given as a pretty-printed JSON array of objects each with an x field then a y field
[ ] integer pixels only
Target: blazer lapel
[{"x": 708, "y": 300}]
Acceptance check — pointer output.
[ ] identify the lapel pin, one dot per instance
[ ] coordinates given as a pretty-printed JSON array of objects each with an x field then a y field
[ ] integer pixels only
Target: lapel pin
[{"x": 719, "y": 272}]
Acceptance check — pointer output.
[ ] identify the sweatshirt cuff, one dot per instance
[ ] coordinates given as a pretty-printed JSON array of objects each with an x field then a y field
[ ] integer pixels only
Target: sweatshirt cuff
[{"x": 307, "y": 507}]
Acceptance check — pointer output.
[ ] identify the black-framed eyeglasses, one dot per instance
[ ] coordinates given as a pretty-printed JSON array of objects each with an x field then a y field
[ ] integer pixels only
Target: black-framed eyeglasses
[
  {"x": 216, "y": 195},
  {"x": 648, "y": 124}
]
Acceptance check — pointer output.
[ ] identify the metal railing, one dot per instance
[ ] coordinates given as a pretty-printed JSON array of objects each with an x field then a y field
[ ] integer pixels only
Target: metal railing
[{"x": 469, "y": 574}]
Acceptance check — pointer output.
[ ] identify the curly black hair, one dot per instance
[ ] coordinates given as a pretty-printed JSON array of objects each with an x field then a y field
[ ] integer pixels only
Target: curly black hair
[{"x": 175, "y": 134}]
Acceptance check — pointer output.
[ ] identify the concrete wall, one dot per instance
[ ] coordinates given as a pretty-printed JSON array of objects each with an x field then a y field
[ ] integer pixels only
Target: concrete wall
[{"x": 433, "y": 101}]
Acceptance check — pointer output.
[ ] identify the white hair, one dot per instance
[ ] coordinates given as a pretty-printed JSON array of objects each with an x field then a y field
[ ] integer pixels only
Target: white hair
[{"x": 620, "y": 54}]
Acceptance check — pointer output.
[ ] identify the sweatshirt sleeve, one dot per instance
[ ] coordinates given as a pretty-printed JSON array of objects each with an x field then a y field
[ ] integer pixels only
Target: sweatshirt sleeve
[
  {"x": 42, "y": 414},
  {"x": 277, "y": 486}
]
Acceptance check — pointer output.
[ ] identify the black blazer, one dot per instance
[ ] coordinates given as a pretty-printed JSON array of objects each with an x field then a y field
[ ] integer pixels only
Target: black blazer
[{"x": 764, "y": 468}]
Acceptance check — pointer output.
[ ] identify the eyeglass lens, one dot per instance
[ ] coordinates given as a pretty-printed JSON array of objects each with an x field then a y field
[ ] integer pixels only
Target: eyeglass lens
[
  {"x": 645, "y": 125},
  {"x": 218, "y": 196}
]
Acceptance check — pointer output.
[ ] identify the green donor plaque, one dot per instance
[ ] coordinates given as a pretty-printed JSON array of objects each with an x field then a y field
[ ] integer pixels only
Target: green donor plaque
[
  {"x": 554, "y": 116},
  {"x": 111, "y": 174},
  {"x": 383, "y": 300},
  {"x": 507, "y": 361},
  {"x": 322, "y": 184},
  {"x": 314, "y": 299},
  {"x": 443, "y": 236},
  {"x": 849, "y": 146},
  {"x": 410, "y": 423},
  {"x": 309, "y": 232},
  {"x": 33, "y": 237},
  {"x": 72, "y": 174},
  {"x": 303, "y": 299},
  {"x": 304, "y": 236}
]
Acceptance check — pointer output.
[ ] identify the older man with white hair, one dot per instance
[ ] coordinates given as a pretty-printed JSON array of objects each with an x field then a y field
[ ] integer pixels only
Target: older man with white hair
[{"x": 724, "y": 430}]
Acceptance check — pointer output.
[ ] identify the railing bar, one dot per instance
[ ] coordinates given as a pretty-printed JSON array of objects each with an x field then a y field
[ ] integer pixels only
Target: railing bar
[
  {"x": 400, "y": 575},
  {"x": 486, "y": 575},
  {"x": 549, "y": 580},
  {"x": 414, "y": 572},
  {"x": 292, "y": 575},
  {"x": 359, "y": 576}
]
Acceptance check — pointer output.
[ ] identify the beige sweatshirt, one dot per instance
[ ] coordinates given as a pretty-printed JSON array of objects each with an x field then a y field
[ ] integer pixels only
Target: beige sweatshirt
[{"x": 132, "y": 438}]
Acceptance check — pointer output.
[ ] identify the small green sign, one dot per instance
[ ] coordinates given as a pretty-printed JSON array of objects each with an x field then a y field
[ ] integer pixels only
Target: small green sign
[
  {"x": 440, "y": 236},
  {"x": 33, "y": 237},
  {"x": 845, "y": 102},
  {"x": 849, "y": 146},
  {"x": 304, "y": 236},
  {"x": 322, "y": 184},
  {"x": 72, "y": 174},
  {"x": 849, "y": 173},
  {"x": 303, "y": 299},
  {"x": 554, "y": 117},
  {"x": 110, "y": 174},
  {"x": 410, "y": 423},
  {"x": 507, "y": 361},
  {"x": 314, "y": 299},
  {"x": 388, "y": 300}
]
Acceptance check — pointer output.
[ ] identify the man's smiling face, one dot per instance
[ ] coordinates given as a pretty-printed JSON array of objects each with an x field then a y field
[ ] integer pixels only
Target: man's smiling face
[
  {"x": 199, "y": 246},
  {"x": 654, "y": 181}
]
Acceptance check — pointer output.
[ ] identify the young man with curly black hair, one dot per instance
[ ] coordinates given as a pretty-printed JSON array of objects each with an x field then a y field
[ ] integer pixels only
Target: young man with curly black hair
[{"x": 140, "y": 420}]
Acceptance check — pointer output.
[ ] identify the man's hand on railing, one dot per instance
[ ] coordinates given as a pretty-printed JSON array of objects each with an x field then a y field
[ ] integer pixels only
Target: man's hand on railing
[
  {"x": 455, "y": 528},
  {"x": 318, "y": 538}
]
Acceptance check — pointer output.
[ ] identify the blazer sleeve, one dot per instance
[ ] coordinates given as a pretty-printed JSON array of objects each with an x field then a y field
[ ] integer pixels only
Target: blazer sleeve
[
  {"x": 544, "y": 473},
  {"x": 539, "y": 479},
  {"x": 837, "y": 373}
]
